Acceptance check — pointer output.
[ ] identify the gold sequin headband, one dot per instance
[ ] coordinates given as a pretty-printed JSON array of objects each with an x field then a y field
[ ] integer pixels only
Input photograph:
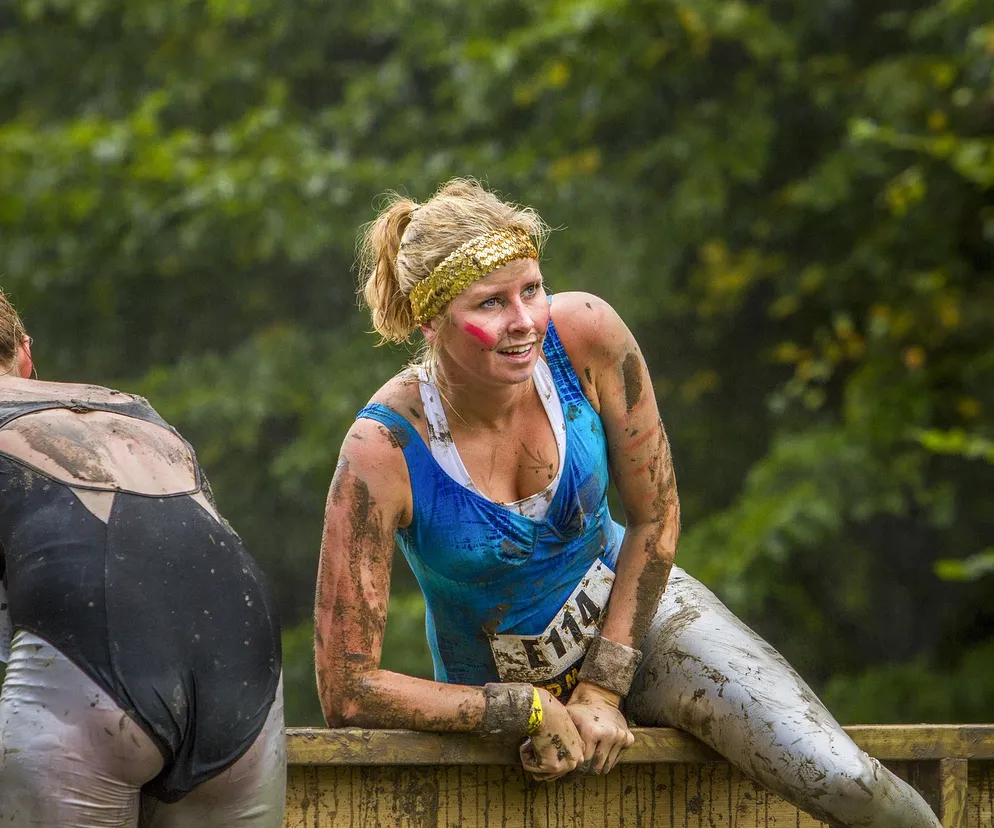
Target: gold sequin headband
[{"x": 466, "y": 264}]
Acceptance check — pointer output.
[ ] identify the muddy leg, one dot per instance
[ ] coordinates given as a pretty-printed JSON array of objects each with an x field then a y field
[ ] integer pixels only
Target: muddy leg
[
  {"x": 707, "y": 673},
  {"x": 69, "y": 755}
]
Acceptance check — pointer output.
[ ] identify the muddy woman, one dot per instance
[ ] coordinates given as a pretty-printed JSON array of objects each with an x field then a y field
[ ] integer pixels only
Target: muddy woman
[
  {"x": 488, "y": 463},
  {"x": 143, "y": 676}
]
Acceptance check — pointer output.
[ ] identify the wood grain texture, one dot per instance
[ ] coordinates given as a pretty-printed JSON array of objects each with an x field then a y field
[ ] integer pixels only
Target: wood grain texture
[
  {"x": 980, "y": 795},
  {"x": 491, "y": 796},
  {"x": 953, "y": 783},
  {"x": 352, "y": 746},
  {"x": 374, "y": 779}
]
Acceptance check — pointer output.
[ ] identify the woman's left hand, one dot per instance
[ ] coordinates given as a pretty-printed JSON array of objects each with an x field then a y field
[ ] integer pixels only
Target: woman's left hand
[{"x": 601, "y": 725}]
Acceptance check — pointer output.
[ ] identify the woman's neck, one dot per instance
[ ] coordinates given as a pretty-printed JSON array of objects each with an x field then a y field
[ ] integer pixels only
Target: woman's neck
[{"x": 480, "y": 406}]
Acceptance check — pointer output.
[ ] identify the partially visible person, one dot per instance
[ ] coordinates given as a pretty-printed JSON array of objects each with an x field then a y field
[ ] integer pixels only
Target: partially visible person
[
  {"x": 144, "y": 674},
  {"x": 488, "y": 463}
]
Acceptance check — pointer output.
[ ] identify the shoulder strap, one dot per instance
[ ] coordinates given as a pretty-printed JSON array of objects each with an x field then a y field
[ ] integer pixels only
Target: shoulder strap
[
  {"x": 403, "y": 432},
  {"x": 568, "y": 383},
  {"x": 136, "y": 407}
]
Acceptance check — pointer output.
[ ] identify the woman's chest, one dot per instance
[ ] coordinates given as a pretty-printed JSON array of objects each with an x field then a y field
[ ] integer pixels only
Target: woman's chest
[{"x": 511, "y": 464}]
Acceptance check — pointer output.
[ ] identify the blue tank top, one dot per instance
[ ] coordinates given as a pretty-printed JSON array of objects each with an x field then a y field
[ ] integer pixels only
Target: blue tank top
[{"x": 510, "y": 598}]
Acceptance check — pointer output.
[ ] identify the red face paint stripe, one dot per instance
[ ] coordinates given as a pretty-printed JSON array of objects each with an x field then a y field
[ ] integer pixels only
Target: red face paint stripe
[{"x": 480, "y": 334}]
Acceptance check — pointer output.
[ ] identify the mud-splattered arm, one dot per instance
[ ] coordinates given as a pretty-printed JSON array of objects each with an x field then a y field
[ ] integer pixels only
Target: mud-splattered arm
[
  {"x": 370, "y": 497},
  {"x": 641, "y": 469}
]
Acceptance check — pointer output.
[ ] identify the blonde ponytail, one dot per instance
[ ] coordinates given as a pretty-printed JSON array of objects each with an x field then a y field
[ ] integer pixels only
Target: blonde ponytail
[{"x": 381, "y": 287}]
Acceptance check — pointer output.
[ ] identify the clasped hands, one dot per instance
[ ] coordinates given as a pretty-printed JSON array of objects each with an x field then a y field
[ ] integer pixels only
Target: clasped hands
[{"x": 589, "y": 733}]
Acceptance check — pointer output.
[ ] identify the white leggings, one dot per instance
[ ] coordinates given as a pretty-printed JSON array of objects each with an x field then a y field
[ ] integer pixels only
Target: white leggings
[
  {"x": 71, "y": 758},
  {"x": 707, "y": 673}
]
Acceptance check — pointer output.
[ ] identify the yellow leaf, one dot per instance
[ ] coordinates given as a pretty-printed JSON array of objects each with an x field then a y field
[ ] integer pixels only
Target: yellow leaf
[
  {"x": 811, "y": 279},
  {"x": 784, "y": 306},
  {"x": 712, "y": 253},
  {"x": 913, "y": 357},
  {"x": 786, "y": 352},
  {"x": 589, "y": 161},
  {"x": 557, "y": 75},
  {"x": 949, "y": 313},
  {"x": 523, "y": 95},
  {"x": 937, "y": 120},
  {"x": 968, "y": 408}
]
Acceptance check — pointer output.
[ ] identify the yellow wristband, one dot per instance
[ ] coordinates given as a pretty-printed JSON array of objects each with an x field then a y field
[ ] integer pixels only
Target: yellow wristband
[{"x": 535, "y": 717}]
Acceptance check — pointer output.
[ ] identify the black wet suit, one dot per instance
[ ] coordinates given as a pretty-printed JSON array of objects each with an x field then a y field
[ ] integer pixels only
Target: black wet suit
[{"x": 161, "y": 606}]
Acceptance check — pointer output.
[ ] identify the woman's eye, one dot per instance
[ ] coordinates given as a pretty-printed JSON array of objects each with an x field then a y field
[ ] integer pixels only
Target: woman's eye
[
  {"x": 531, "y": 290},
  {"x": 489, "y": 303}
]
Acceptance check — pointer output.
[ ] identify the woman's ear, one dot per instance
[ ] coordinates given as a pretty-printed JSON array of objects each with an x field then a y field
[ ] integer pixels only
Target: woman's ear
[
  {"x": 25, "y": 365},
  {"x": 430, "y": 331}
]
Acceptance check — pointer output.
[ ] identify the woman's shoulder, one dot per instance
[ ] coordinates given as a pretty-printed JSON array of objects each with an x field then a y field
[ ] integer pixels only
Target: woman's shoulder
[
  {"x": 402, "y": 396},
  {"x": 400, "y": 393},
  {"x": 33, "y": 390},
  {"x": 588, "y": 326},
  {"x": 372, "y": 451}
]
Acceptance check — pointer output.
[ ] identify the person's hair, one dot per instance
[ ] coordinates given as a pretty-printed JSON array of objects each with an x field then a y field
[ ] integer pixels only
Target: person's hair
[
  {"x": 406, "y": 241},
  {"x": 11, "y": 332}
]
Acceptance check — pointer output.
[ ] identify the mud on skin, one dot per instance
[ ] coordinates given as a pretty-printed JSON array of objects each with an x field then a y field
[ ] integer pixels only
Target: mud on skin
[
  {"x": 67, "y": 445},
  {"x": 396, "y": 435},
  {"x": 80, "y": 448},
  {"x": 379, "y": 711},
  {"x": 366, "y": 530},
  {"x": 538, "y": 463},
  {"x": 561, "y": 750},
  {"x": 631, "y": 372},
  {"x": 651, "y": 584},
  {"x": 365, "y": 527},
  {"x": 666, "y": 494}
]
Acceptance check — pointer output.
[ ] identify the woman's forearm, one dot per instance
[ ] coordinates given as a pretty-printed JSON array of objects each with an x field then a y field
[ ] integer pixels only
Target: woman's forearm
[
  {"x": 383, "y": 699},
  {"x": 643, "y": 568}
]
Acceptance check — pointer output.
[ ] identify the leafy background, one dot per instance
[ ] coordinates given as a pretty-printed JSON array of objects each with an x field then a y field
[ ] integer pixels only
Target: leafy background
[{"x": 791, "y": 203}]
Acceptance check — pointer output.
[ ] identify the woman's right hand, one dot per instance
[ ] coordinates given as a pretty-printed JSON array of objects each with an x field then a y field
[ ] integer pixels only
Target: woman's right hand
[{"x": 555, "y": 748}]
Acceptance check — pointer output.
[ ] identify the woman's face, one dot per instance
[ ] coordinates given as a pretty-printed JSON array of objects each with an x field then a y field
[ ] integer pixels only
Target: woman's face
[{"x": 496, "y": 326}]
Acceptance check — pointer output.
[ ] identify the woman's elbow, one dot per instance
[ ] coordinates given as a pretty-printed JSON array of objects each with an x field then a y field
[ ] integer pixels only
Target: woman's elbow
[
  {"x": 340, "y": 705},
  {"x": 340, "y": 716}
]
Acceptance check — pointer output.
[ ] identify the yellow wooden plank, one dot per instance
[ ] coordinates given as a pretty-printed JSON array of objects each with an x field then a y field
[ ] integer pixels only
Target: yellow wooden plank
[
  {"x": 478, "y": 796},
  {"x": 917, "y": 742},
  {"x": 953, "y": 784},
  {"x": 662, "y": 795},
  {"x": 980, "y": 795},
  {"x": 314, "y": 746},
  {"x": 307, "y": 746}
]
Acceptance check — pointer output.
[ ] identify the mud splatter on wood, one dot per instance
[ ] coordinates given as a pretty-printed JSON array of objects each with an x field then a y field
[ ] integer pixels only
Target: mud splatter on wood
[{"x": 473, "y": 781}]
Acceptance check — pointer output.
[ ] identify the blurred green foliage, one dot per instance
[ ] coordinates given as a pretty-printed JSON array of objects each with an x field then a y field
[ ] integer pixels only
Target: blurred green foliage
[{"x": 791, "y": 203}]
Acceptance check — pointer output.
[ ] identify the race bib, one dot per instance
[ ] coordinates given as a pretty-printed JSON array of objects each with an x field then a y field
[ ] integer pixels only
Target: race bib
[{"x": 552, "y": 659}]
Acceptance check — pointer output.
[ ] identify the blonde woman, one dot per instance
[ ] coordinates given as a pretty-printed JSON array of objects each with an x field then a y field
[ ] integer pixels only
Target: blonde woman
[
  {"x": 143, "y": 677},
  {"x": 488, "y": 463}
]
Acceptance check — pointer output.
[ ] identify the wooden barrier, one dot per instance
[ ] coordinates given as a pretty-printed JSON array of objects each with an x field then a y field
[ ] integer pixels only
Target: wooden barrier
[{"x": 667, "y": 779}]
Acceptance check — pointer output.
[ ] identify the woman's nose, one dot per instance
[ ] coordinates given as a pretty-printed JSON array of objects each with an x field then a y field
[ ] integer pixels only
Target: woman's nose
[{"x": 520, "y": 318}]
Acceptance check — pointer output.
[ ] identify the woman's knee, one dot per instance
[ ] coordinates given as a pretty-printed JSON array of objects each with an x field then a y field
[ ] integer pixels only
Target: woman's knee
[
  {"x": 852, "y": 780},
  {"x": 859, "y": 791}
]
